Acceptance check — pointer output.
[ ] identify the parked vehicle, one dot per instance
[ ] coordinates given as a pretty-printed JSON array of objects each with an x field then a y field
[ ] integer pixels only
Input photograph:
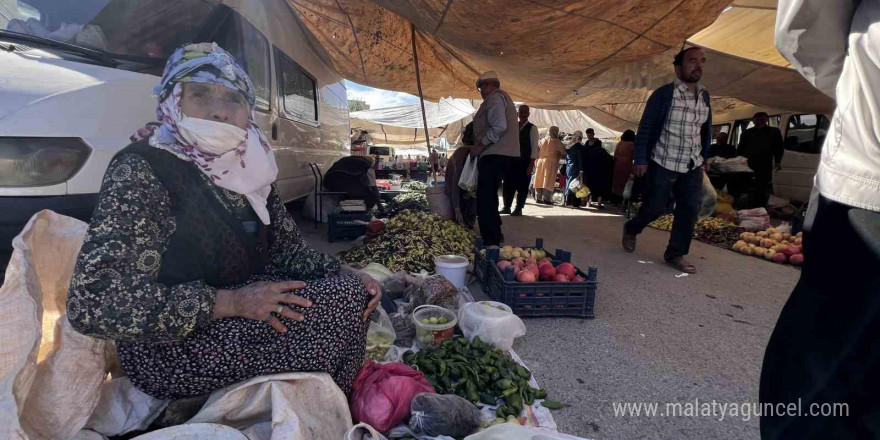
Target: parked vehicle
[
  {"x": 76, "y": 78},
  {"x": 803, "y": 134}
]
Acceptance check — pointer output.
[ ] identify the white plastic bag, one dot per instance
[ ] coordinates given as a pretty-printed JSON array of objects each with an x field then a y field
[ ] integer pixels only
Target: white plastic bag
[
  {"x": 512, "y": 431},
  {"x": 574, "y": 185},
  {"x": 499, "y": 327},
  {"x": 754, "y": 219},
  {"x": 380, "y": 335},
  {"x": 708, "y": 198},
  {"x": 468, "y": 179},
  {"x": 628, "y": 189},
  {"x": 363, "y": 431}
]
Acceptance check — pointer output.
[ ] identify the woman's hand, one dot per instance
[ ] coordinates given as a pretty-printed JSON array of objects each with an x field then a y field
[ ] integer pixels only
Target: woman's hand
[
  {"x": 373, "y": 288},
  {"x": 259, "y": 301}
]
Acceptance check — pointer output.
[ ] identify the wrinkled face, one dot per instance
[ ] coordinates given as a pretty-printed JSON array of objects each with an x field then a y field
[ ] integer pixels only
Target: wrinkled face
[
  {"x": 760, "y": 121},
  {"x": 216, "y": 103},
  {"x": 524, "y": 113},
  {"x": 691, "y": 69}
]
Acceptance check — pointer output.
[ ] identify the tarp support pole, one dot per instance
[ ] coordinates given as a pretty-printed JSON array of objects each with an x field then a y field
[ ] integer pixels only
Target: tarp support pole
[{"x": 422, "y": 99}]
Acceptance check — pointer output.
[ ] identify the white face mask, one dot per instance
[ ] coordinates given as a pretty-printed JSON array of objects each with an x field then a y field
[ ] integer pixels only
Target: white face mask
[{"x": 211, "y": 137}]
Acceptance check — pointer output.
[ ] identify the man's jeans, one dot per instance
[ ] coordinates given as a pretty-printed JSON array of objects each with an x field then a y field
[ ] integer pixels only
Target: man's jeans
[{"x": 686, "y": 189}]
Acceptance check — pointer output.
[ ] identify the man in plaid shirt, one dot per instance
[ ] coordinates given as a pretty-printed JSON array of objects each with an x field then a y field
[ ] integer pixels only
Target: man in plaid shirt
[{"x": 674, "y": 133}]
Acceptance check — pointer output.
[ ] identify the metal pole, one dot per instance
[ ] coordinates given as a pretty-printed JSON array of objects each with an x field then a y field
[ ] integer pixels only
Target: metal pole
[{"x": 422, "y": 100}]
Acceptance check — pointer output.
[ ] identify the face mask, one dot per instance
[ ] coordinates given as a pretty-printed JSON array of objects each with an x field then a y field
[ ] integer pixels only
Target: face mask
[{"x": 211, "y": 137}]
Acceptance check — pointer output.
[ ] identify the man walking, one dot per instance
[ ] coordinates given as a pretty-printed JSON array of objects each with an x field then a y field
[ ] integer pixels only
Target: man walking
[
  {"x": 519, "y": 172},
  {"x": 674, "y": 133},
  {"x": 573, "y": 161},
  {"x": 762, "y": 146},
  {"x": 495, "y": 129}
]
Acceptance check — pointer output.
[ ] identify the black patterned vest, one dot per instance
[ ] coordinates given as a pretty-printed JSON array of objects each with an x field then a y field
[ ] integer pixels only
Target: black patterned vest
[{"x": 210, "y": 242}]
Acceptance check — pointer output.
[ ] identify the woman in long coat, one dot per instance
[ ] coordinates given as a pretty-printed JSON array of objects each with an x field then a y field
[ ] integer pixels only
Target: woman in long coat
[{"x": 550, "y": 152}]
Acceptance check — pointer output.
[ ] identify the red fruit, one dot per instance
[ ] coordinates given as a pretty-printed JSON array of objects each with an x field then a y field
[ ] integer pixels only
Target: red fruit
[
  {"x": 525, "y": 276},
  {"x": 796, "y": 259},
  {"x": 791, "y": 250},
  {"x": 504, "y": 263},
  {"x": 376, "y": 226},
  {"x": 561, "y": 278},
  {"x": 577, "y": 279},
  {"x": 547, "y": 272},
  {"x": 534, "y": 270},
  {"x": 519, "y": 262},
  {"x": 780, "y": 257},
  {"x": 531, "y": 260},
  {"x": 545, "y": 260},
  {"x": 567, "y": 269}
]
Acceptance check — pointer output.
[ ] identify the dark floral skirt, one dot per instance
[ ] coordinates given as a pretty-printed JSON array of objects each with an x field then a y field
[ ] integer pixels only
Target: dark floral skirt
[{"x": 331, "y": 339}]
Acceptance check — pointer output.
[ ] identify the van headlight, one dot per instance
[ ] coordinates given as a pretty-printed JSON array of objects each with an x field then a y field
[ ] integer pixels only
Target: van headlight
[{"x": 29, "y": 161}]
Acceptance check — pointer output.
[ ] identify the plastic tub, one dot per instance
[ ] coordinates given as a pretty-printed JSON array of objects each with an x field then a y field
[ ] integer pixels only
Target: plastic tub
[
  {"x": 428, "y": 334},
  {"x": 453, "y": 267}
]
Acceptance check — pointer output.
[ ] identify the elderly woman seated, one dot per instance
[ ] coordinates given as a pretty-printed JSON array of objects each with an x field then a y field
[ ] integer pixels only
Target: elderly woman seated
[{"x": 191, "y": 262}]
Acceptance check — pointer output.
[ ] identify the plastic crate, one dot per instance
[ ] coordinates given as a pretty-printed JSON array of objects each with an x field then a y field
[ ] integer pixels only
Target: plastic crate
[
  {"x": 346, "y": 226},
  {"x": 480, "y": 262},
  {"x": 545, "y": 298}
]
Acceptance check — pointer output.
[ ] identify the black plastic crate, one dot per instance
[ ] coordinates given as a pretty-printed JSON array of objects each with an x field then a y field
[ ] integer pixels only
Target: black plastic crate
[
  {"x": 481, "y": 262},
  {"x": 545, "y": 298},
  {"x": 347, "y": 226}
]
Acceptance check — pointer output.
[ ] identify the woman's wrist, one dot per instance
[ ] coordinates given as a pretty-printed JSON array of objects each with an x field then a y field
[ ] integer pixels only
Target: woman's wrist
[{"x": 224, "y": 304}]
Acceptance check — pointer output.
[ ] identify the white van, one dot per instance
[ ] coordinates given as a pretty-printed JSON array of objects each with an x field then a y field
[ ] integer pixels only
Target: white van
[
  {"x": 803, "y": 136},
  {"x": 76, "y": 78}
]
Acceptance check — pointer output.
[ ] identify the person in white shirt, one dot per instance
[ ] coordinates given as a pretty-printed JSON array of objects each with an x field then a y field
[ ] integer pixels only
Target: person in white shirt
[
  {"x": 825, "y": 349},
  {"x": 519, "y": 172}
]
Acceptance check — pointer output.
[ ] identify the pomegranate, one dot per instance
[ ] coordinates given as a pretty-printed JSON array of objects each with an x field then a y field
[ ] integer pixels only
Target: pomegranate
[
  {"x": 525, "y": 276},
  {"x": 578, "y": 279},
  {"x": 533, "y": 269},
  {"x": 547, "y": 272},
  {"x": 791, "y": 250},
  {"x": 796, "y": 259},
  {"x": 531, "y": 260},
  {"x": 545, "y": 260},
  {"x": 780, "y": 258},
  {"x": 567, "y": 269},
  {"x": 519, "y": 262},
  {"x": 503, "y": 264},
  {"x": 561, "y": 278}
]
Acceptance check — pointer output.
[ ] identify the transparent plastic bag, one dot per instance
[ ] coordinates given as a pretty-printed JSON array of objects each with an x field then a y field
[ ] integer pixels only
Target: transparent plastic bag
[
  {"x": 468, "y": 179},
  {"x": 443, "y": 414},
  {"x": 380, "y": 335},
  {"x": 493, "y": 322}
]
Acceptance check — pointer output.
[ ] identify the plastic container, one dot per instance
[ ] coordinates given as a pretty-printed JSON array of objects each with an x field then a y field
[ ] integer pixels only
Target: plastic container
[
  {"x": 347, "y": 226},
  {"x": 428, "y": 334},
  {"x": 453, "y": 267}
]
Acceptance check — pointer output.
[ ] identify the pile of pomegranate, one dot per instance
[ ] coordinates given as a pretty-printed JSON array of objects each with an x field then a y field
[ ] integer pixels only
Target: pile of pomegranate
[
  {"x": 531, "y": 270},
  {"x": 772, "y": 245}
]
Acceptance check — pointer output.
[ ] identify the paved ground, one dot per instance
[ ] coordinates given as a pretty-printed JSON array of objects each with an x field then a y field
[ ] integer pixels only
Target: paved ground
[{"x": 656, "y": 338}]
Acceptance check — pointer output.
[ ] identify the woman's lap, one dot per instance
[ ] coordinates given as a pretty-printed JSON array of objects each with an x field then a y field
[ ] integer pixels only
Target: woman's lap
[{"x": 330, "y": 339}]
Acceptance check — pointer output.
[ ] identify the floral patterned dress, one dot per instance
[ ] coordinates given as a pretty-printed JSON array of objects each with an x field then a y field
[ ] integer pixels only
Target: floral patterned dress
[{"x": 168, "y": 344}]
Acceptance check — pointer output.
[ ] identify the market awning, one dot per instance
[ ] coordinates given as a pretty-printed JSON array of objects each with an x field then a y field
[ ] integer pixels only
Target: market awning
[{"x": 603, "y": 56}]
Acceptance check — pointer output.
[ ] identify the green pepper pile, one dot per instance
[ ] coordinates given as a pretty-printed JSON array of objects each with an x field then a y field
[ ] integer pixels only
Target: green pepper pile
[
  {"x": 410, "y": 242},
  {"x": 412, "y": 201},
  {"x": 478, "y": 372}
]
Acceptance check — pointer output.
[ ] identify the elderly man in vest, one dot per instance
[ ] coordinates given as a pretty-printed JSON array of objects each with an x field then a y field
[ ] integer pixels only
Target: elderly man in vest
[
  {"x": 497, "y": 134},
  {"x": 519, "y": 172}
]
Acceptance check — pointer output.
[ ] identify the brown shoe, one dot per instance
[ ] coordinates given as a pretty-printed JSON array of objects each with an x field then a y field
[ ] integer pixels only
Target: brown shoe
[
  {"x": 681, "y": 264},
  {"x": 629, "y": 242}
]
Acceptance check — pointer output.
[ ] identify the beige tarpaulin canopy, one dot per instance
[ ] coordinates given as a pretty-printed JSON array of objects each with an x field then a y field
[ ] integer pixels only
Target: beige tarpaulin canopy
[
  {"x": 604, "y": 56},
  {"x": 402, "y": 125}
]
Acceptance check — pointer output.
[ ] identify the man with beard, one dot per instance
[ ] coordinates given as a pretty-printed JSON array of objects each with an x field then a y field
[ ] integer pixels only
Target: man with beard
[{"x": 674, "y": 133}]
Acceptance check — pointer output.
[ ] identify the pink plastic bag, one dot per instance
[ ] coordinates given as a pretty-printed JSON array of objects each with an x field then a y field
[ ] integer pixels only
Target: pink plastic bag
[{"x": 383, "y": 392}]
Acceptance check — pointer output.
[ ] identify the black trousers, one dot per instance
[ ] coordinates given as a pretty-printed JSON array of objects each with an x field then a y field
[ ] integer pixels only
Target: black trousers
[
  {"x": 825, "y": 347},
  {"x": 490, "y": 172},
  {"x": 686, "y": 189},
  {"x": 516, "y": 181}
]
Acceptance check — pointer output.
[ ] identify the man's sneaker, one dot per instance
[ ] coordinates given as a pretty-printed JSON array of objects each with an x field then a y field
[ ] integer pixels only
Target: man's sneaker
[
  {"x": 628, "y": 241},
  {"x": 504, "y": 211},
  {"x": 516, "y": 212}
]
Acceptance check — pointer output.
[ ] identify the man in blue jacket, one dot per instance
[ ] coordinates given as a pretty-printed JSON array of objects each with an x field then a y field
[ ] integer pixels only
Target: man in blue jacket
[{"x": 671, "y": 147}]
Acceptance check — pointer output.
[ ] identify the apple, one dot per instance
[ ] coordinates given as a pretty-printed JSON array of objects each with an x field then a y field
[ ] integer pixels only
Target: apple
[
  {"x": 780, "y": 258},
  {"x": 769, "y": 254},
  {"x": 533, "y": 269},
  {"x": 578, "y": 279},
  {"x": 767, "y": 243},
  {"x": 503, "y": 264},
  {"x": 745, "y": 250},
  {"x": 566, "y": 268},
  {"x": 791, "y": 250},
  {"x": 525, "y": 276},
  {"x": 531, "y": 260},
  {"x": 547, "y": 272},
  {"x": 561, "y": 278},
  {"x": 796, "y": 259},
  {"x": 545, "y": 260},
  {"x": 759, "y": 251}
]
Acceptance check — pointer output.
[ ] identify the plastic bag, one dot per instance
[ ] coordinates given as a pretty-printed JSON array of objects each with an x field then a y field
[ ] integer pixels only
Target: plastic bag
[
  {"x": 628, "y": 189},
  {"x": 574, "y": 185},
  {"x": 754, "y": 219},
  {"x": 447, "y": 414},
  {"x": 362, "y": 431},
  {"x": 583, "y": 192},
  {"x": 499, "y": 327},
  {"x": 382, "y": 393},
  {"x": 380, "y": 335},
  {"x": 512, "y": 431},
  {"x": 468, "y": 178},
  {"x": 441, "y": 292},
  {"x": 708, "y": 198}
]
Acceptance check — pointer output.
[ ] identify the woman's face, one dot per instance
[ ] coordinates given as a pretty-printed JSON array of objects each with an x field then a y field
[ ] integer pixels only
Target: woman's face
[{"x": 214, "y": 102}]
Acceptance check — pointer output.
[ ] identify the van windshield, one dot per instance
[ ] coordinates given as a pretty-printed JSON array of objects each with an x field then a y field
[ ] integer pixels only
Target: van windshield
[{"x": 141, "y": 31}]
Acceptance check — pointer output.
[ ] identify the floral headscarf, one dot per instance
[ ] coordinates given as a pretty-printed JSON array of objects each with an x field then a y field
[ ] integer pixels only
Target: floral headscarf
[{"x": 250, "y": 169}]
